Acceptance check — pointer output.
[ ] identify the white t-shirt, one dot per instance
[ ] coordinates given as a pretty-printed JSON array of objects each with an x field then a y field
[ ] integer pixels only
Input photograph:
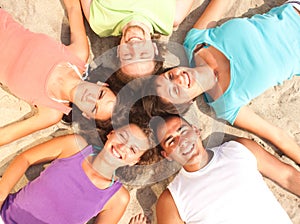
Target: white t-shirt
[{"x": 229, "y": 190}]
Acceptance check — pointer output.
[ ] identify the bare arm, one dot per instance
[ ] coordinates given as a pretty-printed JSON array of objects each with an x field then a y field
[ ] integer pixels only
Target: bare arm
[
  {"x": 183, "y": 8},
  {"x": 59, "y": 147},
  {"x": 44, "y": 118},
  {"x": 281, "y": 173},
  {"x": 250, "y": 121},
  {"x": 79, "y": 43},
  {"x": 114, "y": 208},
  {"x": 213, "y": 13},
  {"x": 166, "y": 210},
  {"x": 85, "y": 5}
]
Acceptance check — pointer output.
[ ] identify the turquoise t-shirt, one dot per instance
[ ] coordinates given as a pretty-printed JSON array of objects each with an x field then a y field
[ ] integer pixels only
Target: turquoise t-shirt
[
  {"x": 108, "y": 17},
  {"x": 263, "y": 52}
]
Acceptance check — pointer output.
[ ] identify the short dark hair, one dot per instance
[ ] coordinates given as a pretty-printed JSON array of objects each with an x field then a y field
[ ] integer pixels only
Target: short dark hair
[{"x": 157, "y": 121}]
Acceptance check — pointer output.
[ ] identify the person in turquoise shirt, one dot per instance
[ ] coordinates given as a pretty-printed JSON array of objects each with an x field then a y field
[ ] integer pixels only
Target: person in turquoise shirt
[
  {"x": 135, "y": 21},
  {"x": 234, "y": 63}
]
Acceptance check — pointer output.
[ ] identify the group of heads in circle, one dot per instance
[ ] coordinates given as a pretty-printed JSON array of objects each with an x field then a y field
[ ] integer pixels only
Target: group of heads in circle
[{"x": 139, "y": 90}]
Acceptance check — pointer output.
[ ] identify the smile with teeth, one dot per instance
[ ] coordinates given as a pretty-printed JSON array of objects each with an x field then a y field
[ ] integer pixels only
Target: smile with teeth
[
  {"x": 116, "y": 153},
  {"x": 188, "y": 150},
  {"x": 134, "y": 39},
  {"x": 187, "y": 79}
]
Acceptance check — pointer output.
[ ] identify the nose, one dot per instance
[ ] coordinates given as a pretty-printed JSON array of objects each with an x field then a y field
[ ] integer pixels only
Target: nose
[
  {"x": 183, "y": 144},
  {"x": 177, "y": 77},
  {"x": 122, "y": 149},
  {"x": 91, "y": 98}
]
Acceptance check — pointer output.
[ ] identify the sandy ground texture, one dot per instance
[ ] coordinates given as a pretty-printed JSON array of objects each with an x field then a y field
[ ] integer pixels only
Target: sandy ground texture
[{"x": 279, "y": 105}]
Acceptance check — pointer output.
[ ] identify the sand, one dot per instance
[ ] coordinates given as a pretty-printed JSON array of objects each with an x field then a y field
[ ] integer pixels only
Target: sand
[{"x": 279, "y": 105}]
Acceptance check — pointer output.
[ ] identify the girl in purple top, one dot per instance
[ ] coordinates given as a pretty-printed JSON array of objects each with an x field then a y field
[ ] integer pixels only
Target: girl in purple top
[{"x": 77, "y": 185}]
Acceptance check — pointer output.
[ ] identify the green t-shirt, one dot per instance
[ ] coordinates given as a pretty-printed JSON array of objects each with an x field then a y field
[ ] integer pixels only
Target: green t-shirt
[{"x": 108, "y": 17}]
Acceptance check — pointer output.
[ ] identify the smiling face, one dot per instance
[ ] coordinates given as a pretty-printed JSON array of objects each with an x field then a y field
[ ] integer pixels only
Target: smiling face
[
  {"x": 95, "y": 101},
  {"x": 178, "y": 85},
  {"x": 181, "y": 142},
  {"x": 137, "y": 52},
  {"x": 127, "y": 144}
]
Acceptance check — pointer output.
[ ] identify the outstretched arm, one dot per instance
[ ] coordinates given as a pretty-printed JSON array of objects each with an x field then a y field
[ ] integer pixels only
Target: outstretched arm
[
  {"x": 213, "y": 13},
  {"x": 114, "y": 208},
  {"x": 183, "y": 8},
  {"x": 250, "y": 121},
  {"x": 79, "y": 43},
  {"x": 271, "y": 167},
  {"x": 59, "y": 147},
  {"x": 166, "y": 210},
  {"x": 44, "y": 118}
]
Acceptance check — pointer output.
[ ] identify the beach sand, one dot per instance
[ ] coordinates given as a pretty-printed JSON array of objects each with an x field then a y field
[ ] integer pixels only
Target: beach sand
[{"x": 279, "y": 105}]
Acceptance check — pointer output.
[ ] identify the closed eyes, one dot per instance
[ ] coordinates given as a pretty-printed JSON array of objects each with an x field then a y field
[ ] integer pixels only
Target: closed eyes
[{"x": 101, "y": 95}]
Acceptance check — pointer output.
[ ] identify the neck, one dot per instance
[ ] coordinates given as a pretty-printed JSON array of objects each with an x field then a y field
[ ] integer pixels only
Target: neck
[
  {"x": 206, "y": 158},
  {"x": 219, "y": 65},
  {"x": 206, "y": 78},
  {"x": 105, "y": 164},
  {"x": 134, "y": 23},
  {"x": 61, "y": 82}
]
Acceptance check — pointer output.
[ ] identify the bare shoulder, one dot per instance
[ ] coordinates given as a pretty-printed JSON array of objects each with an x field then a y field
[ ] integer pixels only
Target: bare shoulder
[
  {"x": 120, "y": 199},
  {"x": 165, "y": 198},
  {"x": 123, "y": 196},
  {"x": 166, "y": 209},
  {"x": 71, "y": 144}
]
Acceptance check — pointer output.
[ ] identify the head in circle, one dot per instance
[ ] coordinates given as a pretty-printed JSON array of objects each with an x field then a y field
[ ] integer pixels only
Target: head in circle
[
  {"x": 127, "y": 144},
  {"x": 180, "y": 85},
  {"x": 138, "y": 54},
  {"x": 94, "y": 100},
  {"x": 179, "y": 140}
]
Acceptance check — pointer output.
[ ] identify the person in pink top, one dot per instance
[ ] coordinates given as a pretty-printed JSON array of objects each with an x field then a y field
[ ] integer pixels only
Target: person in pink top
[{"x": 48, "y": 74}]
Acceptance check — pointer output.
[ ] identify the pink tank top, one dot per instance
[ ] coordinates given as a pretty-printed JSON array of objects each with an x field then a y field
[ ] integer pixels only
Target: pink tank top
[{"x": 27, "y": 60}]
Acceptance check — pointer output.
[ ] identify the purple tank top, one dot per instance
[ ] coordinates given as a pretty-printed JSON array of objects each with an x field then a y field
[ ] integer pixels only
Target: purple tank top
[{"x": 62, "y": 194}]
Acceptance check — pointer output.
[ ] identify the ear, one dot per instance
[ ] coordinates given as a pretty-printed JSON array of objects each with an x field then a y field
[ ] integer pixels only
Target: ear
[
  {"x": 86, "y": 116},
  {"x": 118, "y": 51},
  {"x": 198, "y": 132},
  {"x": 165, "y": 155},
  {"x": 134, "y": 162},
  {"x": 155, "y": 48},
  {"x": 109, "y": 134},
  {"x": 191, "y": 101},
  {"x": 102, "y": 83}
]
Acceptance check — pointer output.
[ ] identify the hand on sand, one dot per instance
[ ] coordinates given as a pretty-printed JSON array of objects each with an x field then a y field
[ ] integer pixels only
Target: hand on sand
[{"x": 138, "y": 219}]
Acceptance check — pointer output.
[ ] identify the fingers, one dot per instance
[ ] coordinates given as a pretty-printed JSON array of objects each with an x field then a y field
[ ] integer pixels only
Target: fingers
[
  {"x": 138, "y": 219},
  {"x": 102, "y": 83}
]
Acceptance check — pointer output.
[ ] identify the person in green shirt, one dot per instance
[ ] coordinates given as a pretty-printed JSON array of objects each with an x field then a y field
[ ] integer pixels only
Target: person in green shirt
[{"x": 135, "y": 21}]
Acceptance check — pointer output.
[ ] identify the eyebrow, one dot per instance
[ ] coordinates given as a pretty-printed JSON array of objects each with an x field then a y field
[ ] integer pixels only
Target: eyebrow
[
  {"x": 99, "y": 97},
  {"x": 167, "y": 139},
  {"x": 170, "y": 92},
  {"x": 171, "y": 136},
  {"x": 125, "y": 133},
  {"x": 170, "y": 89}
]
